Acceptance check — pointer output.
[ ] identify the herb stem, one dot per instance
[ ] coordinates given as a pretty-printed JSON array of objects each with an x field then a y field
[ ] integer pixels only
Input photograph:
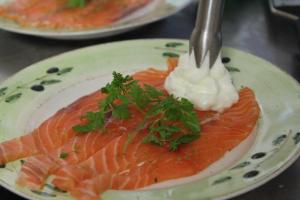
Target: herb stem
[{"x": 170, "y": 120}]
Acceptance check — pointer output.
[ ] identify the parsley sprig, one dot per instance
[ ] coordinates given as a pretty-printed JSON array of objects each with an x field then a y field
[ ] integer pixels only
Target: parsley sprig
[
  {"x": 176, "y": 123},
  {"x": 170, "y": 121},
  {"x": 76, "y": 3}
]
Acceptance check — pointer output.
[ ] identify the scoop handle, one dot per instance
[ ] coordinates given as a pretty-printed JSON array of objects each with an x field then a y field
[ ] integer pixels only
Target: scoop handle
[{"x": 206, "y": 36}]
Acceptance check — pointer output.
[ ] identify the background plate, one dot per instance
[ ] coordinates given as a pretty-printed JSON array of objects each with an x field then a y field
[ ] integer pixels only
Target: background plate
[{"x": 157, "y": 10}]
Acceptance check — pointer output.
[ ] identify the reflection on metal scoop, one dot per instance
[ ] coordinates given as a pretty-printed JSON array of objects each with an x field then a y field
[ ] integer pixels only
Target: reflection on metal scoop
[{"x": 206, "y": 39}]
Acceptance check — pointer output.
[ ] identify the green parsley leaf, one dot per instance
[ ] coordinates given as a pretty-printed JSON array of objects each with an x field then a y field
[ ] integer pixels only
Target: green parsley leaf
[
  {"x": 191, "y": 122},
  {"x": 95, "y": 121},
  {"x": 186, "y": 105},
  {"x": 184, "y": 139},
  {"x": 165, "y": 132},
  {"x": 152, "y": 92},
  {"x": 76, "y": 3},
  {"x": 170, "y": 121},
  {"x": 121, "y": 111},
  {"x": 151, "y": 139},
  {"x": 138, "y": 96},
  {"x": 63, "y": 155}
]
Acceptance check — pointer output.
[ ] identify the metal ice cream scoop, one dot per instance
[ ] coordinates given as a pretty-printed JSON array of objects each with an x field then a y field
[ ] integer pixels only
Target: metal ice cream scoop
[{"x": 206, "y": 38}]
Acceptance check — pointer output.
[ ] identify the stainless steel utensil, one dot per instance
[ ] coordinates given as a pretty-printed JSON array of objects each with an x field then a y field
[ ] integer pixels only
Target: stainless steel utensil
[{"x": 206, "y": 37}]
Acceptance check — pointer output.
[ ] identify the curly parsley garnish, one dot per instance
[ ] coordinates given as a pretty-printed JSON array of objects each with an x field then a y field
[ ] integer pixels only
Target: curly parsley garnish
[
  {"x": 170, "y": 121},
  {"x": 63, "y": 155},
  {"x": 76, "y": 3}
]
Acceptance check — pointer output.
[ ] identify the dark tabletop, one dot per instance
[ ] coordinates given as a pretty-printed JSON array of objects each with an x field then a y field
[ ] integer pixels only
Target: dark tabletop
[{"x": 248, "y": 25}]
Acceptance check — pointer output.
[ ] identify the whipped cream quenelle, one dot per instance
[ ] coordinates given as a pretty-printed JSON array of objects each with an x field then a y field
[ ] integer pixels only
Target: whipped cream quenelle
[{"x": 207, "y": 89}]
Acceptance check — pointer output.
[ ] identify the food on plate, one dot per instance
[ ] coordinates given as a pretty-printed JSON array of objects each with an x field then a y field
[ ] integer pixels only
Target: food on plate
[
  {"x": 130, "y": 134},
  {"x": 72, "y": 14},
  {"x": 51, "y": 134},
  {"x": 208, "y": 88}
]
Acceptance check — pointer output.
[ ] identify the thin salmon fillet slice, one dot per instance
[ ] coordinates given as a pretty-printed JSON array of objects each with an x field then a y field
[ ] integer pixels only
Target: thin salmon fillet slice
[
  {"x": 156, "y": 77},
  {"x": 38, "y": 168},
  {"x": 222, "y": 135},
  {"x": 115, "y": 147},
  {"x": 217, "y": 137},
  {"x": 134, "y": 178},
  {"x": 52, "y": 133},
  {"x": 56, "y": 15},
  {"x": 110, "y": 159},
  {"x": 112, "y": 163},
  {"x": 57, "y": 130}
]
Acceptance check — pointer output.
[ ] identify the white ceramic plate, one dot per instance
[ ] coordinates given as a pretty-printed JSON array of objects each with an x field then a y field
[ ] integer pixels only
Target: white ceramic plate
[
  {"x": 271, "y": 149},
  {"x": 157, "y": 10}
]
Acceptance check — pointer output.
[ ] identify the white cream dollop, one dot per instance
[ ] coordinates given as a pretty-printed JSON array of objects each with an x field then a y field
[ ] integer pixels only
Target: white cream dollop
[{"x": 207, "y": 89}]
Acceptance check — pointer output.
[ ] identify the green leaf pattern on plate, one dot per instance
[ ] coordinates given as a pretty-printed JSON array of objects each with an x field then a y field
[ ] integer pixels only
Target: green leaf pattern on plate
[
  {"x": 44, "y": 80},
  {"x": 222, "y": 180},
  {"x": 45, "y": 194},
  {"x": 2, "y": 91},
  {"x": 50, "y": 82},
  {"x": 172, "y": 49},
  {"x": 12, "y": 98},
  {"x": 241, "y": 165},
  {"x": 171, "y": 54},
  {"x": 174, "y": 44},
  {"x": 232, "y": 69},
  {"x": 297, "y": 138},
  {"x": 64, "y": 71},
  {"x": 279, "y": 140}
]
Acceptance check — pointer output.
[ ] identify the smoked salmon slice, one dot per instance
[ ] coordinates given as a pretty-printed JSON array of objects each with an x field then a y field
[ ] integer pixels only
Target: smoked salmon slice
[
  {"x": 97, "y": 161},
  {"x": 52, "y": 133},
  {"x": 37, "y": 169},
  {"x": 109, "y": 159},
  {"x": 137, "y": 177},
  {"x": 55, "y": 14},
  {"x": 217, "y": 137}
]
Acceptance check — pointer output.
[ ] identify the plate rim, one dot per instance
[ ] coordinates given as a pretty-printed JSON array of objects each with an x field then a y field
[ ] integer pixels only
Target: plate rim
[{"x": 258, "y": 184}]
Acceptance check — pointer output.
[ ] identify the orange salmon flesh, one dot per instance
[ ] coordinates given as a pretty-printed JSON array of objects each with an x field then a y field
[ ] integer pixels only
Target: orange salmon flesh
[{"x": 96, "y": 161}]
